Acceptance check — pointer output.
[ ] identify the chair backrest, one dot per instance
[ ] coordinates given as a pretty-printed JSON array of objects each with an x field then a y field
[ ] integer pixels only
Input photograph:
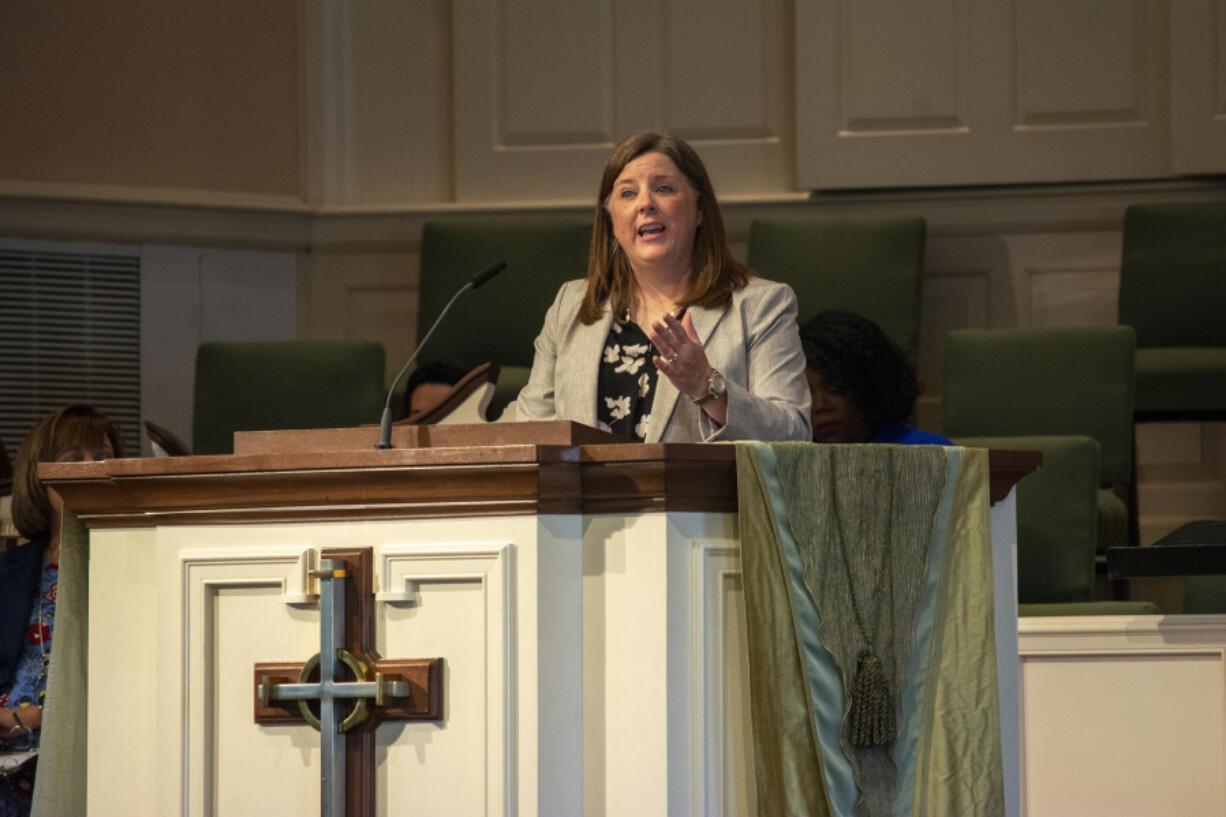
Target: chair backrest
[
  {"x": 1076, "y": 380},
  {"x": 1173, "y": 274},
  {"x": 284, "y": 384},
  {"x": 1057, "y": 517},
  {"x": 1204, "y": 594},
  {"x": 873, "y": 266},
  {"x": 499, "y": 322}
]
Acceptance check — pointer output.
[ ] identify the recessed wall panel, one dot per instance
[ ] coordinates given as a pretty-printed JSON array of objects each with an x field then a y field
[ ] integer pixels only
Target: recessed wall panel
[
  {"x": 1217, "y": 35},
  {"x": 901, "y": 65},
  {"x": 960, "y": 93},
  {"x": 717, "y": 84},
  {"x": 544, "y": 89},
  {"x": 1074, "y": 297},
  {"x": 951, "y": 300},
  {"x": 1170, "y": 444},
  {"x": 1077, "y": 62},
  {"x": 1082, "y": 757},
  {"x": 554, "y": 72},
  {"x": 1198, "y": 71}
]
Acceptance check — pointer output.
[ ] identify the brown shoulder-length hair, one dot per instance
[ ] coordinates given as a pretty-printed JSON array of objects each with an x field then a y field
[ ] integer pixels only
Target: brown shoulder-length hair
[
  {"x": 714, "y": 273},
  {"x": 71, "y": 426}
]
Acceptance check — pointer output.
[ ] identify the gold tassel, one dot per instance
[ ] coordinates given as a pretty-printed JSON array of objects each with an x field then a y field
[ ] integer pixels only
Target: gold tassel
[{"x": 871, "y": 720}]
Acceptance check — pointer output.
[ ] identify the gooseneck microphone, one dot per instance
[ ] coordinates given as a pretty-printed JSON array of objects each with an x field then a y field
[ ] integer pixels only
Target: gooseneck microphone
[{"x": 385, "y": 425}]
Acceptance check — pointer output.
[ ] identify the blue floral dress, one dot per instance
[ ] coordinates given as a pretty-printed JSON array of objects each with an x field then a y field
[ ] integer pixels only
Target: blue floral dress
[{"x": 28, "y": 686}]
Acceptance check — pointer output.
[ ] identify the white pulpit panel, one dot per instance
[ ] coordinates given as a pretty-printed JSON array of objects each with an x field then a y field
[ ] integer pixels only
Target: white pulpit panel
[
  {"x": 463, "y": 602},
  {"x": 235, "y": 607},
  {"x": 723, "y": 731},
  {"x": 247, "y": 623}
]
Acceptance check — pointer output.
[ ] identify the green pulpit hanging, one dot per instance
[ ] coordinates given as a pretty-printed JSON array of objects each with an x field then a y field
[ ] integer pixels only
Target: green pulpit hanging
[{"x": 869, "y": 566}]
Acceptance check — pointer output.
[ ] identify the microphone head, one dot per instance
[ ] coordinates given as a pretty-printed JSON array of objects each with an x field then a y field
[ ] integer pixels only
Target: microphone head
[{"x": 488, "y": 273}]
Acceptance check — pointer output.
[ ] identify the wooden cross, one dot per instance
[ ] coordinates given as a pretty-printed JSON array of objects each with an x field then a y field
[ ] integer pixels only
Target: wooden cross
[{"x": 387, "y": 689}]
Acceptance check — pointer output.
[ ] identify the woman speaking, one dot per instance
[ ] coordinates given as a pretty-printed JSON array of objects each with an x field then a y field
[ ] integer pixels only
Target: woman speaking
[{"x": 668, "y": 338}]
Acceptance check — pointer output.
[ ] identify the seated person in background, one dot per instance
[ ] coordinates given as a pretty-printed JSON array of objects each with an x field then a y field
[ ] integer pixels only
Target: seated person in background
[
  {"x": 430, "y": 383},
  {"x": 28, "y": 585},
  {"x": 669, "y": 338},
  {"x": 863, "y": 386}
]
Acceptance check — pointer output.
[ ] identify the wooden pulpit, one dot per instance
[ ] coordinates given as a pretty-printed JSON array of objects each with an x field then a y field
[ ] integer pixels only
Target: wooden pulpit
[{"x": 580, "y": 596}]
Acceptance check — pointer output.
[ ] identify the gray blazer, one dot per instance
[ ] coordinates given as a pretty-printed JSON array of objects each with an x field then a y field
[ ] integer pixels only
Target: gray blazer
[{"x": 754, "y": 343}]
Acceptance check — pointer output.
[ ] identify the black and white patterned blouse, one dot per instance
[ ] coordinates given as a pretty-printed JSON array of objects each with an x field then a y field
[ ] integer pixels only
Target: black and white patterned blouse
[{"x": 627, "y": 381}]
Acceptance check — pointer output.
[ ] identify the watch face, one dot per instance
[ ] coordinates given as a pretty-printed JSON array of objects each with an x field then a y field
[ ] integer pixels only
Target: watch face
[{"x": 717, "y": 385}]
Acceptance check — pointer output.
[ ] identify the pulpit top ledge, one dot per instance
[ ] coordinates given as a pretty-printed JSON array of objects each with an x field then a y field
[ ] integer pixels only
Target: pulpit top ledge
[{"x": 433, "y": 471}]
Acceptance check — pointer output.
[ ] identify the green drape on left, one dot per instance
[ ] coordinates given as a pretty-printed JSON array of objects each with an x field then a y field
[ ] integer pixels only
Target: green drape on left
[{"x": 59, "y": 783}]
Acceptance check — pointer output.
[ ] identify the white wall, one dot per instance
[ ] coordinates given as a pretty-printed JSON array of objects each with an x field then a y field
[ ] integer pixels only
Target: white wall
[{"x": 190, "y": 295}]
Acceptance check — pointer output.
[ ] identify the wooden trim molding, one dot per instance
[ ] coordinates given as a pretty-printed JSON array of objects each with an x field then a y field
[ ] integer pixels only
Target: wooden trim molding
[
  {"x": 404, "y": 483},
  {"x": 207, "y": 218},
  {"x": 1007, "y": 468}
]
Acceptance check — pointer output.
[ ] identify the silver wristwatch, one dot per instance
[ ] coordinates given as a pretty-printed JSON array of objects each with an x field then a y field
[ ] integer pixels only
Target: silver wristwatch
[{"x": 716, "y": 388}]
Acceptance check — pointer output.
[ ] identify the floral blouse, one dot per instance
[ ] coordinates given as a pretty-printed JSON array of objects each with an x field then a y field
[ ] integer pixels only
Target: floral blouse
[
  {"x": 627, "y": 381},
  {"x": 29, "y": 682}
]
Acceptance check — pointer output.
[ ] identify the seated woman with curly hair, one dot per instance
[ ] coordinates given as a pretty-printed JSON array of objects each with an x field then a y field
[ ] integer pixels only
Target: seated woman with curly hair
[{"x": 863, "y": 386}]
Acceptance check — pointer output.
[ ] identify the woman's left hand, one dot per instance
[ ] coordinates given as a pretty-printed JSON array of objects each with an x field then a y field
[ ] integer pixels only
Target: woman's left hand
[{"x": 681, "y": 357}]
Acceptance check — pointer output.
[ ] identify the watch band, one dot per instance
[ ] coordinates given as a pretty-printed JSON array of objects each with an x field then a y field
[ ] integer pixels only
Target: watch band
[{"x": 715, "y": 389}]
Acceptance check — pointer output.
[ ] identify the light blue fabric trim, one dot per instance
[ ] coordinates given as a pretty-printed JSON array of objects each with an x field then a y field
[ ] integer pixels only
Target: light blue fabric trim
[
  {"x": 823, "y": 675},
  {"x": 906, "y": 748}
]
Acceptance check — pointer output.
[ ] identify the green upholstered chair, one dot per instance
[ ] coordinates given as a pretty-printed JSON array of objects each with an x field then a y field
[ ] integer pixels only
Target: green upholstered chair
[
  {"x": 873, "y": 266},
  {"x": 1049, "y": 382},
  {"x": 1057, "y": 527},
  {"x": 1057, "y": 517},
  {"x": 1204, "y": 594},
  {"x": 499, "y": 322},
  {"x": 1173, "y": 293},
  {"x": 284, "y": 384}
]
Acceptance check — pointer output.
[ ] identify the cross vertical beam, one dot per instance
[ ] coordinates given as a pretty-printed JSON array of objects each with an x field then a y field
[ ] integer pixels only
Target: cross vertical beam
[
  {"x": 359, "y": 617},
  {"x": 331, "y": 575}
]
